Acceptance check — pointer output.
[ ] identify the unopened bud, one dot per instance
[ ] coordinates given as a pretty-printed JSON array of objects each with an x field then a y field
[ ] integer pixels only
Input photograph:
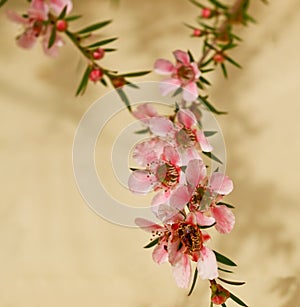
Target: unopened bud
[
  {"x": 61, "y": 25},
  {"x": 197, "y": 32},
  {"x": 98, "y": 54},
  {"x": 219, "y": 58},
  {"x": 96, "y": 74},
  {"x": 206, "y": 12}
]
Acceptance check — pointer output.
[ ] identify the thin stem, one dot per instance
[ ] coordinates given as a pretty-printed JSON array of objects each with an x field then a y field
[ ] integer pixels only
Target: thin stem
[{"x": 233, "y": 10}]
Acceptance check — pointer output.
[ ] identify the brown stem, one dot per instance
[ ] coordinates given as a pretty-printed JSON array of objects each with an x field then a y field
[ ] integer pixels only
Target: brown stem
[{"x": 235, "y": 8}]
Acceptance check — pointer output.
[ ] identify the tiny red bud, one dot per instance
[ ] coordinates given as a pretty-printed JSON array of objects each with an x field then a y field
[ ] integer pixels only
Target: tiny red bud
[
  {"x": 118, "y": 82},
  {"x": 219, "y": 58},
  {"x": 98, "y": 54},
  {"x": 197, "y": 32},
  {"x": 96, "y": 74},
  {"x": 206, "y": 12},
  {"x": 61, "y": 25}
]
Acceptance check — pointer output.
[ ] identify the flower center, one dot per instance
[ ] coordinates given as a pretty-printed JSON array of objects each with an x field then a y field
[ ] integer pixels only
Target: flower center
[
  {"x": 190, "y": 237},
  {"x": 186, "y": 137},
  {"x": 197, "y": 197},
  {"x": 168, "y": 175},
  {"x": 186, "y": 74}
]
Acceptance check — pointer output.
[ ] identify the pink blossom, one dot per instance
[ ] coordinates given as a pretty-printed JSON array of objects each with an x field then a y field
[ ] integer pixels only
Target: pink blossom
[
  {"x": 36, "y": 24},
  {"x": 187, "y": 136},
  {"x": 181, "y": 241},
  {"x": 144, "y": 112},
  {"x": 183, "y": 74},
  {"x": 202, "y": 194},
  {"x": 163, "y": 172}
]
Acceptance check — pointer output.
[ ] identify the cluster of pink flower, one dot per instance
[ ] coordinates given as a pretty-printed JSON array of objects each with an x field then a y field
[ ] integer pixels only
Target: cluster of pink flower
[
  {"x": 38, "y": 23},
  {"x": 187, "y": 199}
]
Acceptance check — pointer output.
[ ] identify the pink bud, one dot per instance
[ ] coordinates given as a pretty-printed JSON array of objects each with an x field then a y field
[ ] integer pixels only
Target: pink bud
[
  {"x": 61, "y": 25},
  {"x": 206, "y": 12},
  {"x": 98, "y": 54},
  {"x": 197, "y": 32},
  {"x": 96, "y": 74},
  {"x": 118, "y": 81},
  {"x": 219, "y": 58}
]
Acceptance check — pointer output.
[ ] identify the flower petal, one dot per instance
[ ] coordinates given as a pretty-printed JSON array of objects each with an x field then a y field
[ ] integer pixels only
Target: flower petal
[
  {"x": 58, "y": 5},
  {"x": 160, "y": 254},
  {"x": 27, "y": 40},
  {"x": 207, "y": 264},
  {"x": 180, "y": 197},
  {"x": 13, "y": 16},
  {"x": 186, "y": 118},
  {"x": 170, "y": 155},
  {"x": 195, "y": 172},
  {"x": 140, "y": 182},
  {"x": 182, "y": 56},
  {"x": 182, "y": 271},
  {"x": 203, "y": 220},
  {"x": 221, "y": 183},
  {"x": 196, "y": 70},
  {"x": 190, "y": 92},
  {"x": 160, "y": 126},
  {"x": 163, "y": 67},
  {"x": 169, "y": 85},
  {"x": 201, "y": 138},
  {"x": 147, "y": 225},
  {"x": 38, "y": 10},
  {"x": 224, "y": 217},
  {"x": 144, "y": 111}
]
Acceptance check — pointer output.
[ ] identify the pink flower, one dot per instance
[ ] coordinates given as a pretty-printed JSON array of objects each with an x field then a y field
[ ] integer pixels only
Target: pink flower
[
  {"x": 144, "y": 112},
  {"x": 36, "y": 24},
  {"x": 162, "y": 171},
  {"x": 183, "y": 74},
  {"x": 181, "y": 241},
  {"x": 187, "y": 136},
  {"x": 202, "y": 195}
]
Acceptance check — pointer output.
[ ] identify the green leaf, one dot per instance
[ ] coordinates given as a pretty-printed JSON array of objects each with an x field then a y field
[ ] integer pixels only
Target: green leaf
[
  {"x": 223, "y": 270},
  {"x": 203, "y": 80},
  {"x": 2, "y": 2},
  {"x": 194, "y": 282},
  {"x": 63, "y": 13},
  {"x": 109, "y": 49},
  {"x": 102, "y": 80},
  {"x": 84, "y": 81},
  {"x": 230, "y": 60},
  {"x": 124, "y": 98},
  {"x": 94, "y": 27},
  {"x": 101, "y": 43},
  {"x": 136, "y": 74},
  {"x": 212, "y": 156},
  {"x": 225, "y": 204},
  {"x": 207, "y": 70},
  {"x": 218, "y": 4},
  {"x": 209, "y": 133},
  {"x": 72, "y": 18},
  {"x": 52, "y": 37},
  {"x": 237, "y": 300},
  {"x": 189, "y": 26},
  {"x": 223, "y": 259},
  {"x": 224, "y": 305},
  {"x": 152, "y": 243},
  {"x": 224, "y": 70},
  {"x": 191, "y": 56},
  {"x": 197, "y": 4},
  {"x": 177, "y": 92},
  {"x": 234, "y": 283},
  {"x": 143, "y": 131},
  {"x": 209, "y": 106}
]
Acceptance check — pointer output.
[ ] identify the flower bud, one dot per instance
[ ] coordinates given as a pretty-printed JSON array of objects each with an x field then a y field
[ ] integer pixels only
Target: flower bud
[
  {"x": 96, "y": 74},
  {"x": 61, "y": 25},
  {"x": 206, "y": 12},
  {"x": 219, "y": 295},
  {"x": 98, "y": 54},
  {"x": 197, "y": 32},
  {"x": 118, "y": 81},
  {"x": 219, "y": 58}
]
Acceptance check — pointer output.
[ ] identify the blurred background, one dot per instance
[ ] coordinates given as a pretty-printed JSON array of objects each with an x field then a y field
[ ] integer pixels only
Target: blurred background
[{"x": 56, "y": 252}]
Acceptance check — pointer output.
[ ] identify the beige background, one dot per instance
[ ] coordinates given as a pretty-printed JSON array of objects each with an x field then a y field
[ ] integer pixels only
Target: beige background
[{"x": 57, "y": 252}]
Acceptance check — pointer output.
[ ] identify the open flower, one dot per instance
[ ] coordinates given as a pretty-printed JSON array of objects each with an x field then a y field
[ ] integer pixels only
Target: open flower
[
  {"x": 183, "y": 74},
  {"x": 162, "y": 170},
  {"x": 36, "y": 24},
  {"x": 181, "y": 241},
  {"x": 202, "y": 194}
]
